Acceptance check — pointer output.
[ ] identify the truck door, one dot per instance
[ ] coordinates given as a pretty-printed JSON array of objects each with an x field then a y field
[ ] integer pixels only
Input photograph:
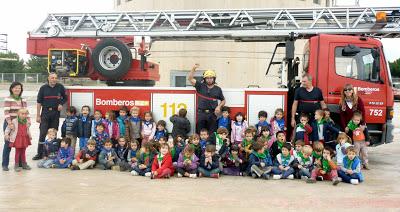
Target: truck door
[{"x": 358, "y": 65}]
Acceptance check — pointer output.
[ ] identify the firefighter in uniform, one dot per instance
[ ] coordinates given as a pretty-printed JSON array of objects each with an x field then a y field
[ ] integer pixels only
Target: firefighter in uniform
[
  {"x": 208, "y": 95},
  {"x": 50, "y": 100}
]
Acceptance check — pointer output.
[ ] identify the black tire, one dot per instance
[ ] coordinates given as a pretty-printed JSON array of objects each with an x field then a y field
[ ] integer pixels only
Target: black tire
[
  {"x": 139, "y": 83},
  {"x": 112, "y": 68}
]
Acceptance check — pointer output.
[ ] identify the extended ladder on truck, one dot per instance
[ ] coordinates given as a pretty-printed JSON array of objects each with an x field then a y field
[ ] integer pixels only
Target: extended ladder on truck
[{"x": 231, "y": 24}]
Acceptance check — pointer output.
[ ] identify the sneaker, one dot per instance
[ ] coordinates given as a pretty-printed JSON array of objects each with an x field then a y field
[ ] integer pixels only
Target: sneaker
[
  {"x": 354, "y": 181},
  {"x": 75, "y": 168},
  {"x": 265, "y": 176},
  {"x": 320, "y": 178},
  {"x": 53, "y": 166},
  {"x": 26, "y": 166},
  {"x": 37, "y": 157},
  {"x": 179, "y": 175},
  {"x": 167, "y": 176},
  {"x": 17, "y": 169},
  {"x": 310, "y": 180},
  {"x": 253, "y": 175},
  {"x": 305, "y": 178},
  {"x": 366, "y": 166},
  {"x": 192, "y": 175},
  {"x": 147, "y": 174},
  {"x": 335, "y": 181},
  {"x": 215, "y": 175},
  {"x": 276, "y": 177},
  {"x": 5, "y": 168},
  {"x": 340, "y": 179},
  {"x": 290, "y": 177},
  {"x": 134, "y": 173},
  {"x": 200, "y": 174}
]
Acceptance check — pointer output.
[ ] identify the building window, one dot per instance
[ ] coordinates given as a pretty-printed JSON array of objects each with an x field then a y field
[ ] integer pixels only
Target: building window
[
  {"x": 180, "y": 78},
  {"x": 316, "y": 1}
]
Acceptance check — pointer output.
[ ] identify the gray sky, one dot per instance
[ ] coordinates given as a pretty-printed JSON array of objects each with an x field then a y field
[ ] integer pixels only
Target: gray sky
[{"x": 17, "y": 17}]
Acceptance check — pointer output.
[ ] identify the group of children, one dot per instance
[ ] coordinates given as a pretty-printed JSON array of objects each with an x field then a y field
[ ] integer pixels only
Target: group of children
[{"x": 144, "y": 147}]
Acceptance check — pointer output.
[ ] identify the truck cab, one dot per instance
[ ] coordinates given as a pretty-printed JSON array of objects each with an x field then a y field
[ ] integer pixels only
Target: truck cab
[{"x": 337, "y": 60}]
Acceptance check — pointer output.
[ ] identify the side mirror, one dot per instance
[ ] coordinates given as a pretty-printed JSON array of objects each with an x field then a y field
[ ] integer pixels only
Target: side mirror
[{"x": 350, "y": 50}]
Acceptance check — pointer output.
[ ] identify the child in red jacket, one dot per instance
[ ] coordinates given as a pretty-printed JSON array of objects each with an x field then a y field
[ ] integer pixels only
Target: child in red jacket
[{"x": 162, "y": 164}]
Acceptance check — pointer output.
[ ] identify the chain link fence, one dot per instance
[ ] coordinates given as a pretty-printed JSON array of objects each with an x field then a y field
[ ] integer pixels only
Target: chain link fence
[{"x": 40, "y": 78}]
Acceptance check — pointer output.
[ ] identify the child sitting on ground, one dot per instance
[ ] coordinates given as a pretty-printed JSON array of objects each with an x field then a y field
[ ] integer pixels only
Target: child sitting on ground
[
  {"x": 222, "y": 142},
  {"x": 350, "y": 171},
  {"x": 260, "y": 163},
  {"x": 194, "y": 141},
  {"x": 122, "y": 151},
  {"x": 65, "y": 155},
  {"x": 284, "y": 164},
  {"x": 86, "y": 157},
  {"x": 162, "y": 164},
  {"x": 145, "y": 161},
  {"x": 298, "y": 145},
  {"x": 209, "y": 163},
  {"x": 188, "y": 163},
  {"x": 204, "y": 139},
  {"x": 303, "y": 163},
  {"x": 276, "y": 147},
  {"x": 327, "y": 169},
  {"x": 100, "y": 136},
  {"x": 107, "y": 157},
  {"x": 133, "y": 154},
  {"x": 50, "y": 149},
  {"x": 266, "y": 136},
  {"x": 232, "y": 162}
]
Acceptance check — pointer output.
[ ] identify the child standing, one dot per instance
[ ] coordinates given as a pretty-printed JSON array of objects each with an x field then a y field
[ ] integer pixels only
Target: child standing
[
  {"x": 107, "y": 157},
  {"x": 284, "y": 164},
  {"x": 303, "y": 163},
  {"x": 277, "y": 122},
  {"x": 331, "y": 136},
  {"x": 148, "y": 127},
  {"x": 19, "y": 138},
  {"x": 50, "y": 149},
  {"x": 133, "y": 154},
  {"x": 262, "y": 121},
  {"x": 303, "y": 130},
  {"x": 100, "y": 136},
  {"x": 111, "y": 126},
  {"x": 232, "y": 162},
  {"x": 69, "y": 127},
  {"x": 260, "y": 163},
  {"x": 123, "y": 122},
  {"x": 181, "y": 125},
  {"x": 161, "y": 131},
  {"x": 209, "y": 163},
  {"x": 350, "y": 171},
  {"x": 122, "y": 151},
  {"x": 224, "y": 120},
  {"x": 65, "y": 155},
  {"x": 187, "y": 163},
  {"x": 98, "y": 119},
  {"x": 238, "y": 126},
  {"x": 86, "y": 158},
  {"x": 135, "y": 124},
  {"x": 145, "y": 161},
  {"x": 321, "y": 129},
  {"x": 162, "y": 164},
  {"x": 327, "y": 168},
  {"x": 343, "y": 142},
  {"x": 84, "y": 126},
  {"x": 360, "y": 137}
]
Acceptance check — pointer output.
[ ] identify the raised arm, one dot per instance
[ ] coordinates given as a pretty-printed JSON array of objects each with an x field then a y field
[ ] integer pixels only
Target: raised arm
[{"x": 191, "y": 79}]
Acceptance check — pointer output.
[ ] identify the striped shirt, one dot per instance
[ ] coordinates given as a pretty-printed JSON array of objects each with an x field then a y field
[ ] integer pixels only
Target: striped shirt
[{"x": 11, "y": 107}]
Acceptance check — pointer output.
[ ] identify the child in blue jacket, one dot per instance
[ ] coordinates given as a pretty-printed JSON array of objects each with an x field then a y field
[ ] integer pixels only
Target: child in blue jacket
[
  {"x": 84, "y": 126},
  {"x": 350, "y": 171},
  {"x": 322, "y": 130},
  {"x": 260, "y": 163},
  {"x": 65, "y": 155},
  {"x": 50, "y": 149},
  {"x": 69, "y": 127}
]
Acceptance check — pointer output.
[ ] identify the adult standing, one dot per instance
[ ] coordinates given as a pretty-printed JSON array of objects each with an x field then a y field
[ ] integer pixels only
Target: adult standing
[
  {"x": 50, "y": 100},
  {"x": 349, "y": 103},
  {"x": 208, "y": 94},
  {"x": 307, "y": 99},
  {"x": 12, "y": 104}
]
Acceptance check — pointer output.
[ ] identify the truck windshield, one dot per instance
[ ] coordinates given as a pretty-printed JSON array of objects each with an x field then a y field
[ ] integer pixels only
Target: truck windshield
[{"x": 363, "y": 65}]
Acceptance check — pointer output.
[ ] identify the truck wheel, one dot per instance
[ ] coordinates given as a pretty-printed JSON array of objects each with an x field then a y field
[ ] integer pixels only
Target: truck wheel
[
  {"x": 112, "y": 58},
  {"x": 142, "y": 83}
]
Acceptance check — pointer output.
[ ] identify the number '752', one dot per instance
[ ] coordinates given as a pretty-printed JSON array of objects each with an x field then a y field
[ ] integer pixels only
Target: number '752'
[{"x": 375, "y": 112}]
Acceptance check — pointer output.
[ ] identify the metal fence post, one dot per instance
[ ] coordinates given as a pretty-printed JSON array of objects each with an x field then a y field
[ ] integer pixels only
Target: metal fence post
[
  {"x": 25, "y": 78},
  {"x": 2, "y": 77},
  {"x": 13, "y": 77},
  {"x": 37, "y": 78}
]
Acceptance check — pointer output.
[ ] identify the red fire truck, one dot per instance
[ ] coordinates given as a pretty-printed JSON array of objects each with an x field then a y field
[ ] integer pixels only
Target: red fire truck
[{"x": 343, "y": 47}]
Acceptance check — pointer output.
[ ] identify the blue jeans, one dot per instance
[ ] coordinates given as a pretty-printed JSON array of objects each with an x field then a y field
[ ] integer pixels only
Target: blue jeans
[
  {"x": 141, "y": 172},
  {"x": 82, "y": 142},
  {"x": 6, "y": 148},
  {"x": 285, "y": 174},
  {"x": 347, "y": 177},
  {"x": 208, "y": 173},
  {"x": 45, "y": 163}
]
